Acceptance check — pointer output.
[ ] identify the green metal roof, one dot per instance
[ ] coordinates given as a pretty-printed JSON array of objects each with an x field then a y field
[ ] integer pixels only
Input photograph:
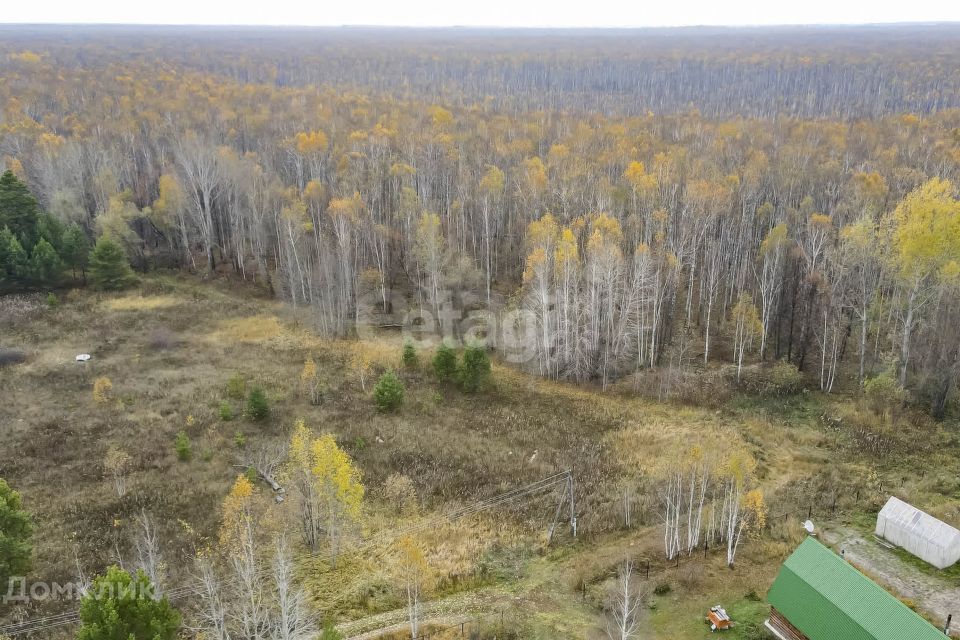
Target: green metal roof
[{"x": 826, "y": 598}]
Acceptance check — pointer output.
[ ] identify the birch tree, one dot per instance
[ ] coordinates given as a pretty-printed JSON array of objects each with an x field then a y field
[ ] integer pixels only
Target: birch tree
[
  {"x": 746, "y": 327},
  {"x": 418, "y": 580},
  {"x": 327, "y": 487},
  {"x": 491, "y": 187},
  {"x": 625, "y": 604},
  {"x": 770, "y": 277},
  {"x": 293, "y": 619},
  {"x": 743, "y": 508},
  {"x": 926, "y": 249}
]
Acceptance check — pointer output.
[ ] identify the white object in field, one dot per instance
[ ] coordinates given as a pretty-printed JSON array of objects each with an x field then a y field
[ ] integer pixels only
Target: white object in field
[
  {"x": 83, "y": 357},
  {"x": 919, "y": 533},
  {"x": 808, "y": 525}
]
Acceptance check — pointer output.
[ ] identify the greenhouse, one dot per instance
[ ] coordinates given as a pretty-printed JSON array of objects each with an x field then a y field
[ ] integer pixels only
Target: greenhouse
[{"x": 919, "y": 533}]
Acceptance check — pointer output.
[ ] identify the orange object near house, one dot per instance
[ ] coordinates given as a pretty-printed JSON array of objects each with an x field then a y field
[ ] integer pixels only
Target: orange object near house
[{"x": 718, "y": 618}]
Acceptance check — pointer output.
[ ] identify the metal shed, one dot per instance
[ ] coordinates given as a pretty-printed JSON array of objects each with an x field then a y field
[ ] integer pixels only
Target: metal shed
[
  {"x": 819, "y": 596},
  {"x": 919, "y": 533}
]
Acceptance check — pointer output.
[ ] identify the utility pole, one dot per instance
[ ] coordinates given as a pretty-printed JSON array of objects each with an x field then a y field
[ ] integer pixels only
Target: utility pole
[{"x": 567, "y": 491}]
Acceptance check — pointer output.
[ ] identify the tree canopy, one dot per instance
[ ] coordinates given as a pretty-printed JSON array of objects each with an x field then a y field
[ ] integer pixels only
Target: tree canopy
[
  {"x": 16, "y": 529},
  {"x": 119, "y": 606}
]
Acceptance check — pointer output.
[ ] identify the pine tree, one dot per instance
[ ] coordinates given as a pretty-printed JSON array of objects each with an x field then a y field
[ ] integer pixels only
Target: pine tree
[
  {"x": 445, "y": 363},
  {"x": 409, "y": 356},
  {"x": 257, "y": 406},
  {"x": 15, "y": 532},
  {"x": 109, "y": 268},
  {"x": 121, "y": 606},
  {"x": 75, "y": 250},
  {"x": 51, "y": 230},
  {"x": 45, "y": 265},
  {"x": 474, "y": 373},
  {"x": 389, "y": 392},
  {"x": 18, "y": 209},
  {"x": 14, "y": 264}
]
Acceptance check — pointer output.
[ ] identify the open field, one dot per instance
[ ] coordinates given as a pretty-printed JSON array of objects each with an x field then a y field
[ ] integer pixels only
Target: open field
[{"x": 171, "y": 346}]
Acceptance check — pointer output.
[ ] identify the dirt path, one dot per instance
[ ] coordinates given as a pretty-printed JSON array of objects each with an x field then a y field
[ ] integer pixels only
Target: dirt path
[{"x": 934, "y": 596}]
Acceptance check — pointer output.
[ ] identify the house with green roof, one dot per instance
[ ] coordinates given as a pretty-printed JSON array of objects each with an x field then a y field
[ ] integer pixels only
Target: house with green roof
[{"x": 820, "y": 596}]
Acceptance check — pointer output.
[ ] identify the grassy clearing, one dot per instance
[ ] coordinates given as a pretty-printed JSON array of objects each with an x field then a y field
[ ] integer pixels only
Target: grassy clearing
[
  {"x": 457, "y": 449},
  {"x": 141, "y": 303}
]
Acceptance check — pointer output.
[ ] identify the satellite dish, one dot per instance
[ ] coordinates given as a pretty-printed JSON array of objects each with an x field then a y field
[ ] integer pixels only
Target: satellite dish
[{"x": 808, "y": 525}]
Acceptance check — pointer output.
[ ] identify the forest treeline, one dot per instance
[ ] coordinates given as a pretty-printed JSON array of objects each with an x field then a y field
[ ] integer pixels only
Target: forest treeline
[
  {"x": 843, "y": 72},
  {"x": 827, "y": 240}
]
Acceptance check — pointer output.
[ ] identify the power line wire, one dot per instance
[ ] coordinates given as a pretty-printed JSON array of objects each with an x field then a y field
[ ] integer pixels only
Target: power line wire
[{"x": 72, "y": 617}]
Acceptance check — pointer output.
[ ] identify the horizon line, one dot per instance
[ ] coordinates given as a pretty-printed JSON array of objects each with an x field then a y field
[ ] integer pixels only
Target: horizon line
[{"x": 759, "y": 25}]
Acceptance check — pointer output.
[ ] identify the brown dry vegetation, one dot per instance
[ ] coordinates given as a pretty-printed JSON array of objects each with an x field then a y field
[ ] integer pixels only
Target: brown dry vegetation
[{"x": 456, "y": 449}]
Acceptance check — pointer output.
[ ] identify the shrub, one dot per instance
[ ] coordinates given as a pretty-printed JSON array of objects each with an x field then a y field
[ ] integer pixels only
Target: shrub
[
  {"x": 445, "y": 363},
  {"x": 474, "y": 372},
  {"x": 109, "y": 268},
  {"x": 52, "y": 300},
  {"x": 101, "y": 390},
  {"x": 240, "y": 440},
  {"x": 784, "y": 379},
  {"x": 388, "y": 394},
  {"x": 182, "y": 446},
  {"x": 409, "y": 356},
  {"x": 883, "y": 393},
  {"x": 257, "y": 406},
  {"x": 330, "y": 632},
  {"x": 119, "y": 605},
  {"x": 11, "y": 356},
  {"x": 237, "y": 386},
  {"x": 778, "y": 379},
  {"x": 226, "y": 411},
  {"x": 662, "y": 589}
]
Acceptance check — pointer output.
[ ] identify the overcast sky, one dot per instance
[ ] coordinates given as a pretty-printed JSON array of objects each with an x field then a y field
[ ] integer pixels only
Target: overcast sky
[{"x": 506, "y": 13}]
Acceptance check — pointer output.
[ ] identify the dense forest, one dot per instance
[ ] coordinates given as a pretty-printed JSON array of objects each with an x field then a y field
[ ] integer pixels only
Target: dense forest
[{"x": 626, "y": 196}]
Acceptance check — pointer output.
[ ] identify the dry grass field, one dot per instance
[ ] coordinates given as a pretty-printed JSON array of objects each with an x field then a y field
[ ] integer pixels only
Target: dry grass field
[{"x": 171, "y": 346}]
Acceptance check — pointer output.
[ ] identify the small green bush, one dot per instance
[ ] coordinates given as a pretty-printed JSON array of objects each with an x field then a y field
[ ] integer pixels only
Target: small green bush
[
  {"x": 252, "y": 475},
  {"x": 240, "y": 440},
  {"x": 52, "y": 300},
  {"x": 182, "y": 446},
  {"x": 237, "y": 386},
  {"x": 409, "y": 357},
  {"x": 226, "y": 411},
  {"x": 445, "y": 364},
  {"x": 662, "y": 589},
  {"x": 257, "y": 406},
  {"x": 785, "y": 379},
  {"x": 474, "y": 372},
  {"x": 883, "y": 392},
  {"x": 776, "y": 380},
  {"x": 389, "y": 392},
  {"x": 330, "y": 632}
]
